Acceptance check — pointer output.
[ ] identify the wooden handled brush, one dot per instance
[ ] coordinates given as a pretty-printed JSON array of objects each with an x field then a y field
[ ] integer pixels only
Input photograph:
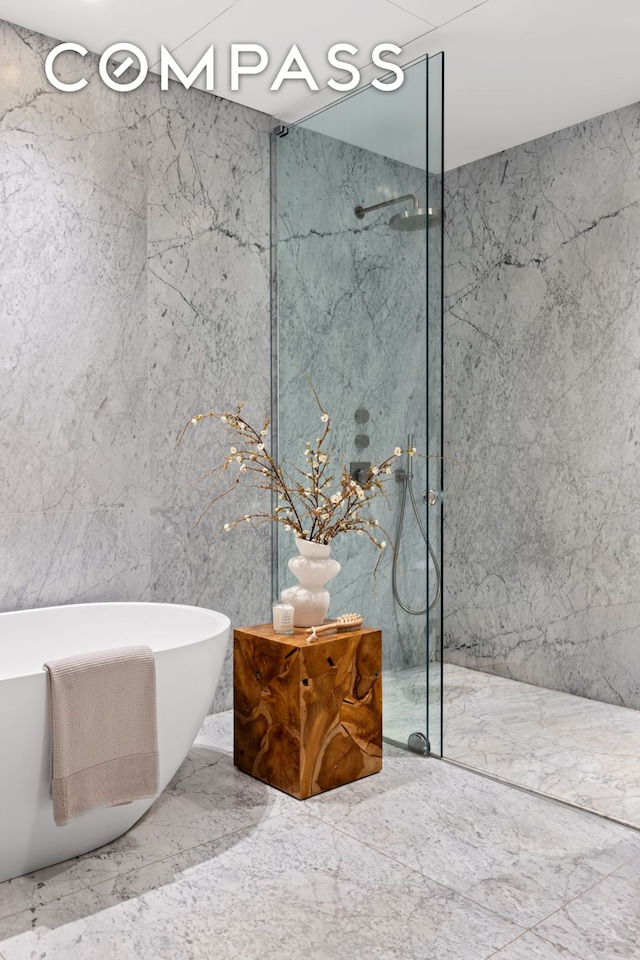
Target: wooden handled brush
[{"x": 348, "y": 621}]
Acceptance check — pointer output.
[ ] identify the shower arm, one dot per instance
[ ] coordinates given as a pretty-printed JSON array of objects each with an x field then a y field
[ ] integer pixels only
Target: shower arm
[{"x": 360, "y": 211}]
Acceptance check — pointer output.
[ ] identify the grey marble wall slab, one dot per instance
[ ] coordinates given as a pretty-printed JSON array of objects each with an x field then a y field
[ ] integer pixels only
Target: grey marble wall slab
[
  {"x": 541, "y": 406},
  {"x": 230, "y": 574},
  {"x": 352, "y": 318},
  {"x": 134, "y": 293},
  {"x": 208, "y": 224},
  {"x": 434, "y": 466},
  {"x": 53, "y": 557},
  {"x": 208, "y": 228},
  {"x": 73, "y": 249}
]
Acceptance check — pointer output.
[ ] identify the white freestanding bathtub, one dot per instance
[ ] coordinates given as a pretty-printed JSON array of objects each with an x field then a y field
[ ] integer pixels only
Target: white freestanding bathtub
[{"x": 189, "y": 645}]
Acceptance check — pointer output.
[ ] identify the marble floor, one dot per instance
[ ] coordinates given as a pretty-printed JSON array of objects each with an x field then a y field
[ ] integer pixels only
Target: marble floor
[
  {"x": 577, "y": 750},
  {"x": 423, "y": 860}
]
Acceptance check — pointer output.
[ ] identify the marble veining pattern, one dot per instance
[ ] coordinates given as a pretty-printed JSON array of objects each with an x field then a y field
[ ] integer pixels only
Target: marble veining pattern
[
  {"x": 73, "y": 249},
  {"x": 208, "y": 284},
  {"x": 581, "y": 751},
  {"x": 135, "y": 293},
  {"x": 352, "y": 318},
  {"x": 542, "y": 360},
  {"x": 45, "y": 557},
  {"x": 593, "y": 932},
  {"x": 73, "y": 360},
  {"x": 534, "y": 947},
  {"x": 385, "y": 867}
]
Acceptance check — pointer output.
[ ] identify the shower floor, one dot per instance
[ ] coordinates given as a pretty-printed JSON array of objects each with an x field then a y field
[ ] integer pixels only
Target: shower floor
[{"x": 577, "y": 750}]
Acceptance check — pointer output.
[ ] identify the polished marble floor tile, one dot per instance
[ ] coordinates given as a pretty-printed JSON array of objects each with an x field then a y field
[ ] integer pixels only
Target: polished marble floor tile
[
  {"x": 421, "y": 860},
  {"x": 35, "y": 889},
  {"x": 404, "y": 702},
  {"x": 604, "y": 923},
  {"x": 577, "y": 750},
  {"x": 531, "y": 947},
  {"x": 289, "y": 888},
  {"x": 217, "y": 733},
  {"x": 519, "y": 855},
  {"x": 207, "y": 798}
]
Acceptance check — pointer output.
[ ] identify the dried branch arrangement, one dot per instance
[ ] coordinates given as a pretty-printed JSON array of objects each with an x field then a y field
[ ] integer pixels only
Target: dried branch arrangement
[{"x": 315, "y": 502}]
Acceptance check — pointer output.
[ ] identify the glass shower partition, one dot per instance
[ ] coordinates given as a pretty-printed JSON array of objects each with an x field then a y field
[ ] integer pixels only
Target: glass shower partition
[{"x": 357, "y": 314}]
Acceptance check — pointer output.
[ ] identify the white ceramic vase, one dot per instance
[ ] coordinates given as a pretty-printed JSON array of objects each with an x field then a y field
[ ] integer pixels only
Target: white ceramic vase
[{"x": 313, "y": 568}]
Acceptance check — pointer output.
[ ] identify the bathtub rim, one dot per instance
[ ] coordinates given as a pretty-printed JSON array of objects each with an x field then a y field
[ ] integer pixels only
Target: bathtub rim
[{"x": 223, "y": 624}]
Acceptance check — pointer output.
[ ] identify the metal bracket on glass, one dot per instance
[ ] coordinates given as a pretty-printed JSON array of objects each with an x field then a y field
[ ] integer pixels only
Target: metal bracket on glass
[{"x": 281, "y": 130}]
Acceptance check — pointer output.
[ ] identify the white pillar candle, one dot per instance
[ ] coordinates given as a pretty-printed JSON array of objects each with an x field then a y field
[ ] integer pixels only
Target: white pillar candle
[{"x": 283, "y": 618}]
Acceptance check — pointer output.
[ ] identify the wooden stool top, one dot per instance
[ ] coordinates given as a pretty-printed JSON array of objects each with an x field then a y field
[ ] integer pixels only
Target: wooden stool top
[{"x": 299, "y": 637}]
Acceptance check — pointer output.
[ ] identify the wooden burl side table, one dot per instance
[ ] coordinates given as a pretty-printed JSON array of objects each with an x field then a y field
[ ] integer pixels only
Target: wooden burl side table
[{"x": 307, "y": 716}]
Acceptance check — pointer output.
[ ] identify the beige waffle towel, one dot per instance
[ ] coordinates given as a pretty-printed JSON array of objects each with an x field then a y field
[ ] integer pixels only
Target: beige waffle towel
[{"x": 102, "y": 708}]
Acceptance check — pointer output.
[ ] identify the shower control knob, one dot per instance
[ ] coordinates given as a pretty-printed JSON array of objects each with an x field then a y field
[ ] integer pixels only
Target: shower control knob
[
  {"x": 360, "y": 471},
  {"x": 430, "y": 497},
  {"x": 362, "y": 441},
  {"x": 362, "y": 415}
]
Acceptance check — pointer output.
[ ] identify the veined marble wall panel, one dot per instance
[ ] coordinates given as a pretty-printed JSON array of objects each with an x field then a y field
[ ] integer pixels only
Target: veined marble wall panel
[
  {"x": 542, "y": 388},
  {"x": 109, "y": 202},
  {"x": 73, "y": 375},
  {"x": 73, "y": 351},
  {"x": 434, "y": 421},
  {"x": 53, "y": 557},
  {"x": 208, "y": 278},
  {"x": 352, "y": 317},
  {"x": 230, "y": 574},
  {"x": 208, "y": 237}
]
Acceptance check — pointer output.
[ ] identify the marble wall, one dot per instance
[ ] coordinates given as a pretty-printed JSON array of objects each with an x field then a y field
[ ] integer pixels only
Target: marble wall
[
  {"x": 352, "y": 317},
  {"x": 542, "y": 388},
  {"x": 134, "y": 293}
]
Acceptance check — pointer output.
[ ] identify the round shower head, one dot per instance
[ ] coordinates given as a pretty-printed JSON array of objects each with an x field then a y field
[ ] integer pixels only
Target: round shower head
[{"x": 409, "y": 220}]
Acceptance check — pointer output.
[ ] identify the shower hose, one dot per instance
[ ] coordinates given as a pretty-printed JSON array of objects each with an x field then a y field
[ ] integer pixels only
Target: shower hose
[{"x": 407, "y": 485}]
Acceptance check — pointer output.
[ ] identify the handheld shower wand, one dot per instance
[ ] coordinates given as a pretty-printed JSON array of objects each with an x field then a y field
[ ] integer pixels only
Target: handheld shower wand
[{"x": 406, "y": 478}]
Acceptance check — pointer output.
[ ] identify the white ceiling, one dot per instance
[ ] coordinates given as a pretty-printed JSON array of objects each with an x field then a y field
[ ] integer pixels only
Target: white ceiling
[
  {"x": 391, "y": 123},
  {"x": 515, "y": 69}
]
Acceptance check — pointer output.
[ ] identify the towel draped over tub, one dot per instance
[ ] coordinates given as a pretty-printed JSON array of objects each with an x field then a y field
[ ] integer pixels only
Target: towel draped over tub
[{"x": 104, "y": 739}]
